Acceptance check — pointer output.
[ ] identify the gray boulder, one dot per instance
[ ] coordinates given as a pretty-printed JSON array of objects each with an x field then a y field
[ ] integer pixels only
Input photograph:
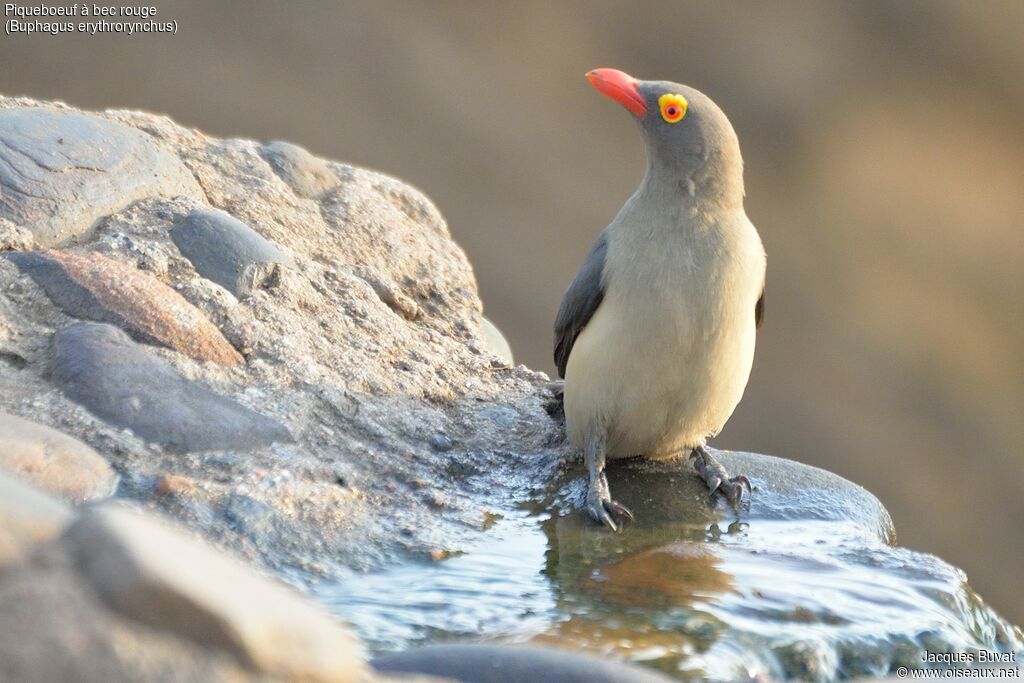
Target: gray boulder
[
  {"x": 100, "y": 367},
  {"x": 61, "y": 171}
]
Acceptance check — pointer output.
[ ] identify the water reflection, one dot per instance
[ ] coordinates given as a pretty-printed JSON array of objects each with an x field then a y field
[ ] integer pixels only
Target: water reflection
[{"x": 802, "y": 585}]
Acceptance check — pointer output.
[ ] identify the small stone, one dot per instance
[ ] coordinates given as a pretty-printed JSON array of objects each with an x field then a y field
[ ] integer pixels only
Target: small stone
[
  {"x": 307, "y": 175},
  {"x": 440, "y": 442},
  {"x": 94, "y": 287},
  {"x": 27, "y": 517},
  {"x": 173, "y": 485},
  {"x": 149, "y": 570},
  {"x": 223, "y": 249},
  {"x": 121, "y": 382},
  {"x": 54, "y": 462},
  {"x": 61, "y": 171}
]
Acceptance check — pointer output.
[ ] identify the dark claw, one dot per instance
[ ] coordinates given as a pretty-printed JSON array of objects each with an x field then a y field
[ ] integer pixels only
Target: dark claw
[
  {"x": 603, "y": 509},
  {"x": 718, "y": 480},
  {"x": 620, "y": 509}
]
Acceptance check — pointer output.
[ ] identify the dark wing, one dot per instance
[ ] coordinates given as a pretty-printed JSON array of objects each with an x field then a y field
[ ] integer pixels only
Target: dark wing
[
  {"x": 759, "y": 310},
  {"x": 580, "y": 302}
]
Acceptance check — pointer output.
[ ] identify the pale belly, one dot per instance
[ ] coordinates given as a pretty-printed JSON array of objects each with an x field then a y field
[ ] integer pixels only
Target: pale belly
[{"x": 658, "y": 379}]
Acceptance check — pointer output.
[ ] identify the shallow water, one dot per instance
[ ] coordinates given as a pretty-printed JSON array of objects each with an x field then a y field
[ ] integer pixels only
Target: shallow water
[{"x": 704, "y": 595}]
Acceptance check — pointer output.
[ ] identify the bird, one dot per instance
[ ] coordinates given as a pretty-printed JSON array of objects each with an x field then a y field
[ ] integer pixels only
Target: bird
[{"x": 655, "y": 335}]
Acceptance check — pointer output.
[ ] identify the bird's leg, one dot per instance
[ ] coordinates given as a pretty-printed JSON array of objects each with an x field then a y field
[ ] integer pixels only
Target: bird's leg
[
  {"x": 599, "y": 498},
  {"x": 717, "y": 478}
]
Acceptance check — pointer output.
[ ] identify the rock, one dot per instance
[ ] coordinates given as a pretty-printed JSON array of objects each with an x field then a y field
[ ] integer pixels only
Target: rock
[
  {"x": 150, "y": 571},
  {"x": 513, "y": 664},
  {"x": 303, "y": 172},
  {"x": 100, "y": 367},
  {"x": 496, "y": 342},
  {"x": 371, "y": 347},
  {"x": 785, "y": 490},
  {"x": 173, "y": 484},
  {"x": 61, "y": 171},
  {"x": 27, "y": 517},
  {"x": 94, "y": 287},
  {"x": 54, "y": 462},
  {"x": 227, "y": 251},
  {"x": 15, "y": 237},
  {"x": 56, "y": 628}
]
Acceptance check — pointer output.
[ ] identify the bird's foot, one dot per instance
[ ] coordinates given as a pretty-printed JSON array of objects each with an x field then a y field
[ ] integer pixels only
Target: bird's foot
[
  {"x": 717, "y": 478},
  {"x": 601, "y": 506}
]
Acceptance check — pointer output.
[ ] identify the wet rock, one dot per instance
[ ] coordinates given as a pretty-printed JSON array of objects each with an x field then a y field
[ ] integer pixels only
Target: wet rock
[
  {"x": 227, "y": 251},
  {"x": 669, "y": 491},
  {"x": 496, "y": 342},
  {"x": 54, "y": 462},
  {"x": 513, "y": 664},
  {"x": 60, "y": 171},
  {"x": 303, "y": 172},
  {"x": 94, "y": 287},
  {"x": 100, "y": 367},
  {"x": 148, "y": 570},
  {"x": 27, "y": 517}
]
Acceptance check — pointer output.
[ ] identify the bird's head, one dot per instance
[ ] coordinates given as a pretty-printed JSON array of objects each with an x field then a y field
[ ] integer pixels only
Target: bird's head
[{"x": 691, "y": 146}]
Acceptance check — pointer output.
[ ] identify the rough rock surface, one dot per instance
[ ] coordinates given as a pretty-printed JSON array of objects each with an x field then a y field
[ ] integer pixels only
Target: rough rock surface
[
  {"x": 55, "y": 462},
  {"x": 49, "y": 155},
  {"x": 304, "y": 173},
  {"x": 122, "y": 382},
  {"x": 369, "y": 351},
  {"x": 93, "y": 287},
  {"x": 227, "y": 251},
  {"x": 156, "y": 574}
]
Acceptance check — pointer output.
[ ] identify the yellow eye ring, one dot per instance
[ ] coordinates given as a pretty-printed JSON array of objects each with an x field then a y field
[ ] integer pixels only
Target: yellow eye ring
[{"x": 673, "y": 107}]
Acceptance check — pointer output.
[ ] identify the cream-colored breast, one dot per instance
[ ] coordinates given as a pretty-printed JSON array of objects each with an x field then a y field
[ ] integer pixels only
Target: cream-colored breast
[{"x": 666, "y": 357}]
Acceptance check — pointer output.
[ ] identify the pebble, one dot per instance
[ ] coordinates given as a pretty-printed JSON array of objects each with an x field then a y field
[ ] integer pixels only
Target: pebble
[
  {"x": 174, "y": 484},
  {"x": 93, "y": 287},
  {"x": 227, "y": 251},
  {"x": 54, "y": 462},
  {"x": 440, "y": 442},
  {"x": 123, "y": 383},
  {"x": 158, "y": 574}
]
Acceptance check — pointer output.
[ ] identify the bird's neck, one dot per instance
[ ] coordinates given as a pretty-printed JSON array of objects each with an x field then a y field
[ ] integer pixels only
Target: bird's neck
[{"x": 712, "y": 183}]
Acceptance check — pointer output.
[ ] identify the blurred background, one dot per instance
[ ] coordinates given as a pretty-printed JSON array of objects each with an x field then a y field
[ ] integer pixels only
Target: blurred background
[{"x": 884, "y": 148}]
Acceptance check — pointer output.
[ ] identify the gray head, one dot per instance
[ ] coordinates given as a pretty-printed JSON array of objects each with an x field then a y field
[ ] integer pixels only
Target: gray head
[{"x": 690, "y": 143}]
